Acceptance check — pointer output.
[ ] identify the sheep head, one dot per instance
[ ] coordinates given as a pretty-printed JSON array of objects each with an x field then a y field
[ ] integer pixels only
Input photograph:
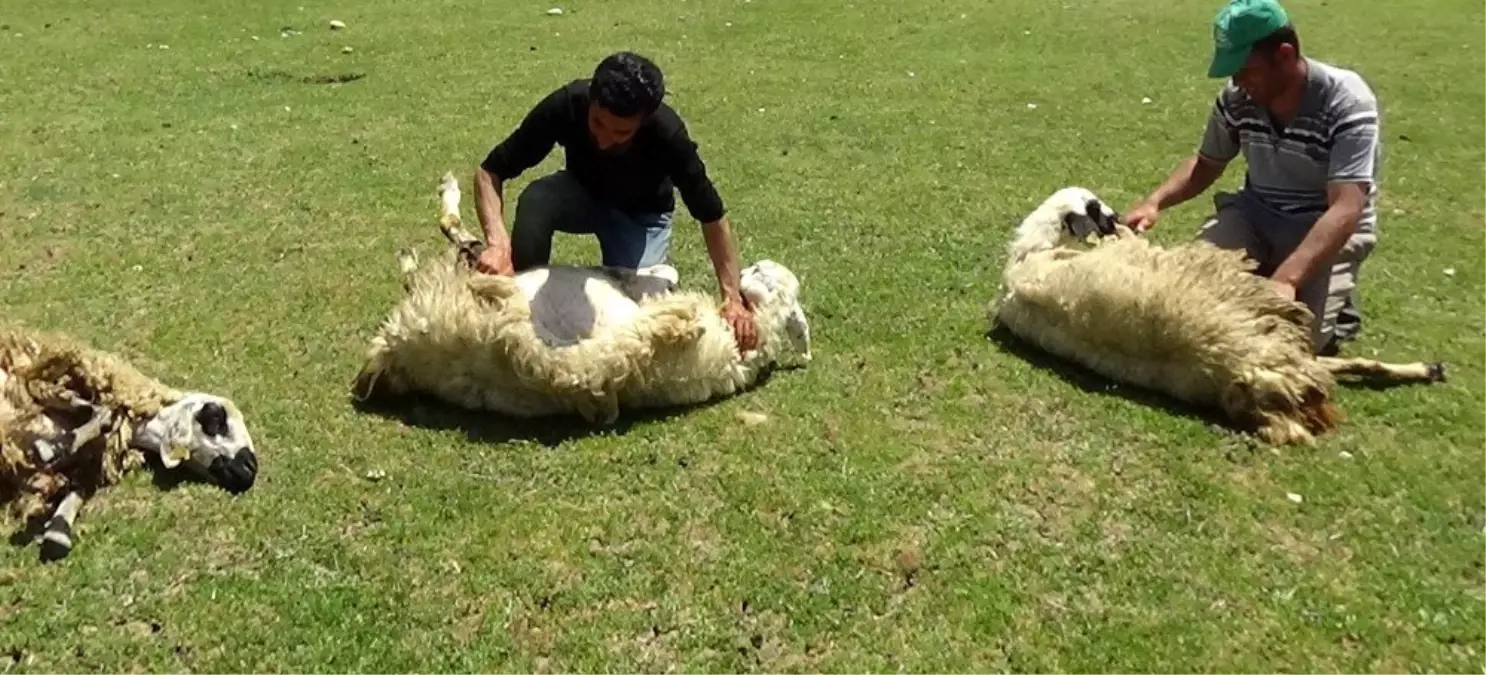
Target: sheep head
[
  {"x": 207, "y": 434},
  {"x": 771, "y": 287},
  {"x": 1070, "y": 214}
]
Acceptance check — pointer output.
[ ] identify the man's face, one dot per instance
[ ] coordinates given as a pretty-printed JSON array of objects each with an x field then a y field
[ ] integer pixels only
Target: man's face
[
  {"x": 611, "y": 132},
  {"x": 1263, "y": 76}
]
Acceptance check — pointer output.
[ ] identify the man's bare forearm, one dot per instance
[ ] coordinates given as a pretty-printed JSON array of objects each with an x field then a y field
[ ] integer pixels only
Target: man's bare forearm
[
  {"x": 489, "y": 206},
  {"x": 719, "y": 239},
  {"x": 1326, "y": 239},
  {"x": 1189, "y": 179}
]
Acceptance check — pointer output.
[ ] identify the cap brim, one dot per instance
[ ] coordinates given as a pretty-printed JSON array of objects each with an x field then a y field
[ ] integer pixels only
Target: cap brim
[{"x": 1226, "y": 62}]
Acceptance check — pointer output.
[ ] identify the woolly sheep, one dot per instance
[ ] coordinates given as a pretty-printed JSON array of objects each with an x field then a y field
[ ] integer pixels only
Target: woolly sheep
[
  {"x": 561, "y": 339},
  {"x": 1192, "y": 320},
  {"x": 74, "y": 420}
]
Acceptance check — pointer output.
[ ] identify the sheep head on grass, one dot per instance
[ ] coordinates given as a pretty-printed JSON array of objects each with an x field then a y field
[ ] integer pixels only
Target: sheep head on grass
[
  {"x": 770, "y": 284},
  {"x": 206, "y": 434}
]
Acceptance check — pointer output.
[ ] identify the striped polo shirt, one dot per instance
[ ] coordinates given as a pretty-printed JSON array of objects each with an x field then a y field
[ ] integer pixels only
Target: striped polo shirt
[{"x": 1334, "y": 137}]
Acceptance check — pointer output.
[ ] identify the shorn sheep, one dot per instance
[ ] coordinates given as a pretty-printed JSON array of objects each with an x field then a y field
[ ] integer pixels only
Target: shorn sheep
[
  {"x": 1191, "y": 321},
  {"x": 558, "y": 340},
  {"x": 75, "y": 419}
]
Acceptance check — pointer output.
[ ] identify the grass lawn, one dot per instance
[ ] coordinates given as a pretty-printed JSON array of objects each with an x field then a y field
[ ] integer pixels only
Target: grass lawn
[{"x": 208, "y": 212}]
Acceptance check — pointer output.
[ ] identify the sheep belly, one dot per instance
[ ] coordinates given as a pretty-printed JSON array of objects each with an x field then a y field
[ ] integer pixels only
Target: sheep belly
[
  {"x": 563, "y": 315},
  {"x": 436, "y": 346}
]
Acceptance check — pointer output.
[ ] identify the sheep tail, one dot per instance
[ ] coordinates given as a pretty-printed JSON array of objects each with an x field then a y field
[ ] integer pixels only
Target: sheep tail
[{"x": 1282, "y": 412}]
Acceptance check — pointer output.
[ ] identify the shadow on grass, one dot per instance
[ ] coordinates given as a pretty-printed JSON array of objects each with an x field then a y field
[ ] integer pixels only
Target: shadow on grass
[
  {"x": 1094, "y": 383},
  {"x": 427, "y": 412}
]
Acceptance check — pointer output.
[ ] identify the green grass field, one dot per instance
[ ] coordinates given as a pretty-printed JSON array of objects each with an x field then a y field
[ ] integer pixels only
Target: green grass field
[{"x": 231, "y": 226}]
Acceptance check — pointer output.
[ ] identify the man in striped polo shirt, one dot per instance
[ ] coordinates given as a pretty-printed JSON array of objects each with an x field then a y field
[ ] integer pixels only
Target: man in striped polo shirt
[{"x": 1308, "y": 131}]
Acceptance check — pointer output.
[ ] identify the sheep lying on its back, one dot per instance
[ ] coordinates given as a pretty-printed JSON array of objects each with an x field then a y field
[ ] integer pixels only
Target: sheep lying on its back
[
  {"x": 74, "y": 420},
  {"x": 557, "y": 340},
  {"x": 1192, "y": 320}
]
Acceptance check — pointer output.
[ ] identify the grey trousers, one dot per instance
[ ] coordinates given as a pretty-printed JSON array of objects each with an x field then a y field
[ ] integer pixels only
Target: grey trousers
[{"x": 1268, "y": 237}]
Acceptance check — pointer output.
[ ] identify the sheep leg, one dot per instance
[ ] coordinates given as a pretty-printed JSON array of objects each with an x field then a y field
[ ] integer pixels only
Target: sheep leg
[
  {"x": 1417, "y": 371},
  {"x": 56, "y": 538},
  {"x": 468, "y": 245},
  {"x": 55, "y": 450}
]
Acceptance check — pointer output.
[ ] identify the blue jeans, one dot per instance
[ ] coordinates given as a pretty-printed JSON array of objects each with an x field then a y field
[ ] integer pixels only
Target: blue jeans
[{"x": 558, "y": 203}]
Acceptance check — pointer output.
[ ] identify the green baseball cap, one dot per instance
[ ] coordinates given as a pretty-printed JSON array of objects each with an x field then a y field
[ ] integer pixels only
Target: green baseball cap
[{"x": 1237, "y": 27}]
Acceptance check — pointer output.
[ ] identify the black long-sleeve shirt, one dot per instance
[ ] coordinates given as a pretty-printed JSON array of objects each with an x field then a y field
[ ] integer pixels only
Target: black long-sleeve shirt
[{"x": 661, "y": 157}]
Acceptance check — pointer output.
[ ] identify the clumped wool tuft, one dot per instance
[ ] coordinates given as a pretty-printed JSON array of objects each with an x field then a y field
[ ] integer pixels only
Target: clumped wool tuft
[
  {"x": 1192, "y": 321},
  {"x": 558, "y": 340}
]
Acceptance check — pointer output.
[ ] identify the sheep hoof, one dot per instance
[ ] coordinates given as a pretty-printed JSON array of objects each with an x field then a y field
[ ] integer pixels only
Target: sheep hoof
[
  {"x": 1437, "y": 372},
  {"x": 57, "y": 542}
]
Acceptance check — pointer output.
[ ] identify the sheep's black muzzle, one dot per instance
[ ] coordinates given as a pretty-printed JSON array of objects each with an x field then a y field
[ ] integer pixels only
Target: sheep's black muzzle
[{"x": 235, "y": 475}]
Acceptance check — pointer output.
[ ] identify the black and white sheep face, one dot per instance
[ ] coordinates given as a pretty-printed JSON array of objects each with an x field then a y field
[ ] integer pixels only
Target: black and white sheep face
[
  {"x": 206, "y": 433},
  {"x": 1082, "y": 213},
  {"x": 768, "y": 283}
]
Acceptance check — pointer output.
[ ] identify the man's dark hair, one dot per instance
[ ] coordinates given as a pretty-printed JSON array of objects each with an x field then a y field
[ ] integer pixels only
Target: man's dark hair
[
  {"x": 627, "y": 84},
  {"x": 1272, "y": 42}
]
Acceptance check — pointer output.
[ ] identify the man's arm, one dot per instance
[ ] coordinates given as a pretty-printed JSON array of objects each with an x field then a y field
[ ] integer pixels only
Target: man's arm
[
  {"x": 524, "y": 148},
  {"x": 1327, "y": 236},
  {"x": 1354, "y": 142},
  {"x": 718, "y": 236},
  {"x": 1195, "y": 174},
  {"x": 736, "y": 311},
  {"x": 1190, "y": 178},
  {"x": 689, "y": 174},
  {"x": 489, "y": 204}
]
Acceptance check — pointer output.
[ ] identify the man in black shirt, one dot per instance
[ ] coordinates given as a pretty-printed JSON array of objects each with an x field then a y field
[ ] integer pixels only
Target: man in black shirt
[{"x": 626, "y": 151}]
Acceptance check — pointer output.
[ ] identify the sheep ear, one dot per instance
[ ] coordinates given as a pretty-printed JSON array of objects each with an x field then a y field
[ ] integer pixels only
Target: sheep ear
[
  {"x": 154, "y": 436},
  {"x": 754, "y": 290},
  {"x": 1080, "y": 225}
]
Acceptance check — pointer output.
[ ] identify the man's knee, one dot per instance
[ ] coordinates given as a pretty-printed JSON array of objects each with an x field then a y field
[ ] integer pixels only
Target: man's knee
[
  {"x": 1328, "y": 296},
  {"x": 636, "y": 241},
  {"x": 551, "y": 204},
  {"x": 657, "y": 246},
  {"x": 544, "y": 203}
]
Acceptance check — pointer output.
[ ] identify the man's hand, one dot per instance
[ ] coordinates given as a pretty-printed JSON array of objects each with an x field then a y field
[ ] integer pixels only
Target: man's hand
[
  {"x": 1285, "y": 289},
  {"x": 1327, "y": 237},
  {"x": 739, "y": 315},
  {"x": 1192, "y": 177},
  {"x": 1142, "y": 216},
  {"x": 495, "y": 260},
  {"x": 735, "y": 310}
]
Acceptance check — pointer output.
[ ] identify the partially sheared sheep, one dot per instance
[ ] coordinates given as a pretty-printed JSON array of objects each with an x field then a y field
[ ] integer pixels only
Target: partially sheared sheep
[
  {"x": 1192, "y": 320},
  {"x": 74, "y": 420},
  {"x": 560, "y": 339}
]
